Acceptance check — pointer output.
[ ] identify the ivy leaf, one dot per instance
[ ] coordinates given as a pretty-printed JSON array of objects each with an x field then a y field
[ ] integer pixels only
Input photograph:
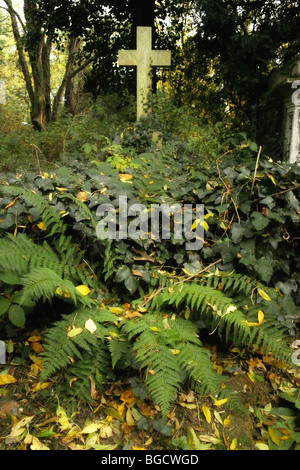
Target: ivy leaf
[
  {"x": 4, "y": 305},
  {"x": 131, "y": 283},
  {"x": 259, "y": 221},
  {"x": 9, "y": 277},
  {"x": 17, "y": 316},
  {"x": 237, "y": 232}
]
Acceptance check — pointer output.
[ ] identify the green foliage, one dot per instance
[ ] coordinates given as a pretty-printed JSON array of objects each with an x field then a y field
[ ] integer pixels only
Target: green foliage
[
  {"x": 49, "y": 247},
  {"x": 243, "y": 42}
]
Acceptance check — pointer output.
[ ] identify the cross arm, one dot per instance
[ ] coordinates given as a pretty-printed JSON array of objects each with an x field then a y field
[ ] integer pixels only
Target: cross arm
[{"x": 127, "y": 58}]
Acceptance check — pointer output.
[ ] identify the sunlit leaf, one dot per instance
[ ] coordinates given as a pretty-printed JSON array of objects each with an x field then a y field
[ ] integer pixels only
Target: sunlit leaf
[
  {"x": 273, "y": 435},
  {"x": 220, "y": 402},
  {"x": 262, "y": 446},
  {"x": 82, "y": 196},
  {"x": 75, "y": 332},
  {"x": 129, "y": 418},
  {"x": 92, "y": 427},
  {"x": 90, "y": 326},
  {"x": 264, "y": 295},
  {"x": 42, "y": 226},
  {"x": 207, "y": 413},
  {"x": 37, "y": 444},
  {"x": 233, "y": 444},
  {"x": 7, "y": 379},
  {"x": 83, "y": 290},
  {"x": 63, "y": 419},
  {"x": 106, "y": 431}
]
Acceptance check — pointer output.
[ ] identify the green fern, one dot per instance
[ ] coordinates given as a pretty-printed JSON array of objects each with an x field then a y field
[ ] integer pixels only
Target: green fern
[
  {"x": 62, "y": 349},
  {"x": 222, "y": 310},
  {"x": 49, "y": 215},
  {"x": 167, "y": 348},
  {"x": 87, "y": 373}
]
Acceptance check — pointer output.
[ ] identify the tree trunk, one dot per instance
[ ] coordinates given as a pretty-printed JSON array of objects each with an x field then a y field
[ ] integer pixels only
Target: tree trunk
[
  {"x": 38, "y": 49},
  {"x": 66, "y": 87},
  {"x": 39, "y": 56}
]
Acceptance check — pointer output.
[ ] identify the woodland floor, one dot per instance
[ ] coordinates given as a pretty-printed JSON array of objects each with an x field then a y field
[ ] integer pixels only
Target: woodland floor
[{"x": 31, "y": 418}]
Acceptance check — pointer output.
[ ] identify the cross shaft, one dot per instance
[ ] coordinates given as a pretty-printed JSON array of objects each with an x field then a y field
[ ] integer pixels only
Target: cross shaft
[{"x": 144, "y": 58}]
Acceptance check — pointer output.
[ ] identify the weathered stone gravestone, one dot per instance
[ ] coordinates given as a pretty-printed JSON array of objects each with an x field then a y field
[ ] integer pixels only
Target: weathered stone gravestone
[
  {"x": 286, "y": 85},
  {"x": 2, "y": 92},
  {"x": 144, "y": 58}
]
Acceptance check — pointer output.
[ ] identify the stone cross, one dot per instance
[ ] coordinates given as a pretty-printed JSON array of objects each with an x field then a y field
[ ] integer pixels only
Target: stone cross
[
  {"x": 144, "y": 58},
  {"x": 2, "y": 92}
]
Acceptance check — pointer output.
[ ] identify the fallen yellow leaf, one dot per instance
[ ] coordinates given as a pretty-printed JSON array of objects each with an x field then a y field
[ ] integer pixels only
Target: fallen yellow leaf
[
  {"x": 34, "y": 339},
  {"x": 264, "y": 295},
  {"x": 129, "y": 418},
  {"x": 42, "y": 226},
  {"x": 82, "y": 196},
  {"x": 175, "y": 351},
  {"x": 7, "y": 379},
  {"x": 83, "y": 290},
  {"x": 63, "y": 419},
  {"x": 128, "y": 397},
  {"x": 75, "y": 332},
  {"x": 106, "y": 431},
  {"x": 262, "y": 446},
  {"x": 37, "y": 347},
  {"x": 11, "y": 204},
  {"x": 19, "y": 427},
  {"x": 261, "y": 317},
  {"x": 226, "y": 421},
  {"x": 92, "y": 427},
  {"x": 37, "y": 444},
  {"x": 273, "y": 435},
  {"x": 220, "y": 402},
  {"x": 154, "y": 328},
  {"x": 233, "y": 445},
  {"x": 218, "y": 417},
  {"x": 90, "y": 326},
  {"x": 125, "y": 177},
  {"x": 207, "y": 414},
  {"x": 116, "y": 310},
  {"x": 189, "y": 406}
]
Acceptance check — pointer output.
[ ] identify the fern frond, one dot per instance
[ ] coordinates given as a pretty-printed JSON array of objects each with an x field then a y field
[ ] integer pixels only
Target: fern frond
[
  {"x": 162, "y": 372},
  {"x": 221, "y": 312},
  {"x": 88, "y": 371},
  {"x": 60, "y": 348},
  {"x": 50, "y": 216},
  {"x": 196, "y": 362},
  {"x": 118, "y": 349}
]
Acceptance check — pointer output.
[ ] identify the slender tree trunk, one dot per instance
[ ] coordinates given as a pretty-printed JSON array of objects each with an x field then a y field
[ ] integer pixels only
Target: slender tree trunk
[
  {"x": 38, "y": 77},
  {"x": 20, "y": 50},
  {"x": 39, "y": 56},
  {"x": 70, "y": 73}
]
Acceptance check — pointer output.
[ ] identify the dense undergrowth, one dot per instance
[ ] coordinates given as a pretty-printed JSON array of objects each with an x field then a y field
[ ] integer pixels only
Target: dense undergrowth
[{"x": 241, "y": 289}]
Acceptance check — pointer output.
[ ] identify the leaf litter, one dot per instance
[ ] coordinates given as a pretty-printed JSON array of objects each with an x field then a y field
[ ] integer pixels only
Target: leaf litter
[{"x": 123, "y": 417}]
